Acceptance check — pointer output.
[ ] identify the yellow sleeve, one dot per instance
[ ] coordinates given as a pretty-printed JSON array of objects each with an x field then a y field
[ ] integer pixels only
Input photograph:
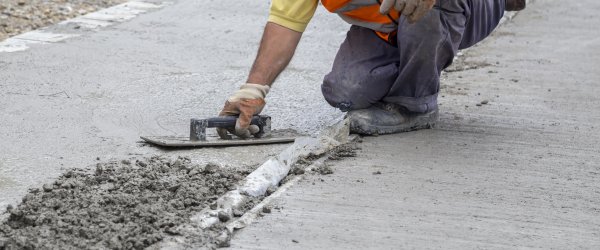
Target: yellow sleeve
[{"x": 292, "y": 14}]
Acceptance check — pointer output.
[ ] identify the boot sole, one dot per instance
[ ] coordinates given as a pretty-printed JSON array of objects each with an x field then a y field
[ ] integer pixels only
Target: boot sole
[{"x": 423, "y": 121}]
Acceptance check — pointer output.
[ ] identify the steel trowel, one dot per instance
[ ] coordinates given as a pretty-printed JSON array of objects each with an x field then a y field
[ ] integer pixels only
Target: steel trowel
[{"x": 199, "y": 138}]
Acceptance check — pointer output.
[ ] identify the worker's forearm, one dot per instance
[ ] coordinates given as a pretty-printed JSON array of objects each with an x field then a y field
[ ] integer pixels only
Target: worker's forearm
[{"x": 276, "y": 50}]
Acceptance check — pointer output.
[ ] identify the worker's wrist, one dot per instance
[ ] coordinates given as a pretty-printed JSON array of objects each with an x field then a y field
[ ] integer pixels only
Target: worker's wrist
[
  {"x": 250, "y": 91},
  {"x": 257, "y": 88}
]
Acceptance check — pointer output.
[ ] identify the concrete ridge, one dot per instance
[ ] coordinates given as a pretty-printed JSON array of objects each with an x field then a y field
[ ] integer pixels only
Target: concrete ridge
[{"x": 269, "y": 174}]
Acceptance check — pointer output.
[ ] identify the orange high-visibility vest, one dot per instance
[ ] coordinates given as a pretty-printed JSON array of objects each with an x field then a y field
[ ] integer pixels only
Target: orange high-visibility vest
[{"x": 365, "y": 13}]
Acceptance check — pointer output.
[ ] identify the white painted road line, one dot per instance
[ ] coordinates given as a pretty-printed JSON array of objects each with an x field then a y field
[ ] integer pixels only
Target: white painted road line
[{"x": 102, "y": 18}]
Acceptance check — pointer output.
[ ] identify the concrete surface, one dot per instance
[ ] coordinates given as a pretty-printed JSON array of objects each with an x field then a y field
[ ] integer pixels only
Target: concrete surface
[
  {"x": 519, "y": 172},
  {"x": 64, "y": 104}
]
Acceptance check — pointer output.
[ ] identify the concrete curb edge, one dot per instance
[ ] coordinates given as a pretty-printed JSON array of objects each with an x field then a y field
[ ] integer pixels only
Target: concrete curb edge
[{"x": 270, "y": 173}]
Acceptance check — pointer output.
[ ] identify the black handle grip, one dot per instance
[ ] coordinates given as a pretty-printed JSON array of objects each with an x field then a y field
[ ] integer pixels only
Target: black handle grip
[
  {"x": 229, "y": 121},
  {"x": 198, "y": 126}
]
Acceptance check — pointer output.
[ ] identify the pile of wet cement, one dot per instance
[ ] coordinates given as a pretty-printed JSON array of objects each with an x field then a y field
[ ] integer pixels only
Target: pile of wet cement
[{"x": 122, "y": 205}]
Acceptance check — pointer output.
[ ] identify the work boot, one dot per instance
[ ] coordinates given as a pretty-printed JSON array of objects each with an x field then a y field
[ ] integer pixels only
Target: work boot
[
  {"x": 383, "y": 118},
  {"x": 515, "y": 5}
]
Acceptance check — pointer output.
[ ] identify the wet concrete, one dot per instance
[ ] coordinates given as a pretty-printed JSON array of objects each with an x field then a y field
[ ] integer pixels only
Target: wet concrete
[
  {"x": 130, "y": 204},
  {"x": 63, "y": 105},
  {"x": 519, "y": 170}
]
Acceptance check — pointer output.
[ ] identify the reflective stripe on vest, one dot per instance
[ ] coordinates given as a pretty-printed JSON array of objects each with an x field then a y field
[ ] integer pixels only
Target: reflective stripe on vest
[{"x": 364, "y": 13}]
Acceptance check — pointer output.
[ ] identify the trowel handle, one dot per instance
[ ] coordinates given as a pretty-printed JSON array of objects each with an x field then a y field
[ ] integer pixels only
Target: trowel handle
[
  {"x": 229, "y": 121},
  {"x": 198, "y": 126}
]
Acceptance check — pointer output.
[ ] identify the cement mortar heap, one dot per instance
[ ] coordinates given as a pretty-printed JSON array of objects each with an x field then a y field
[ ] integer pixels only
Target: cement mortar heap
[
  {"x": 120, "y": 205},
  {"x": 134, "y": 204}
]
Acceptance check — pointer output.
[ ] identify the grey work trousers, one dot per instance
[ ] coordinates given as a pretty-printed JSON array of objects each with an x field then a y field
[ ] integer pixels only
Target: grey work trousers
[{"x": 368, "y": 70}]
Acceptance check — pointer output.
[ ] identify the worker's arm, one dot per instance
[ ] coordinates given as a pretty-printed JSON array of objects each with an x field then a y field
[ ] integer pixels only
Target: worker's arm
[
  {"x": 277, "y": 47},
  {"x": 287, "y": 20},
  {"x": 275, "y": 52}
]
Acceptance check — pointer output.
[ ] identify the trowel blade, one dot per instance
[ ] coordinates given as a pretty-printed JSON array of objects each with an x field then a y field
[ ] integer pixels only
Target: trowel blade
[{"x": 171, "y": 141}]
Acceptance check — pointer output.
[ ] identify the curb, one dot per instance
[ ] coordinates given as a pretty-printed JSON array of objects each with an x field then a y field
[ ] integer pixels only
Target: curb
[
  {"x": 251, "y": 215},
  {"x": 92, "y": 21}
]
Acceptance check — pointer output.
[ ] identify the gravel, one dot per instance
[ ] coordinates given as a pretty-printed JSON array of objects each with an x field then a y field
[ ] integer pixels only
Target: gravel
[{"x": 18, "y": 16}]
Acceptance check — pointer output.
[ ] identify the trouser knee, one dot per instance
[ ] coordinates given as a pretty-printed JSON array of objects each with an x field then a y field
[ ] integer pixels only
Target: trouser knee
[
  {"x": 358, "y": 87},
  {"x": 343, "y": 97}
]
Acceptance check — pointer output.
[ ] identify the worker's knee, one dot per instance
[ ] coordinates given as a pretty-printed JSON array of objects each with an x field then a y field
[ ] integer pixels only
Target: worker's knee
[
  {"x": 341, "y": 97},
  {"x": 351, "y": 89}
]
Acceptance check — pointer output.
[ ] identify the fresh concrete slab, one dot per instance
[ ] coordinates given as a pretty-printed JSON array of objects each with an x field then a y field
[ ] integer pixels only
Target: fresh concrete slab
[
  {"x": 514, "y": 162},
  {"x": 68, "y": 104}
]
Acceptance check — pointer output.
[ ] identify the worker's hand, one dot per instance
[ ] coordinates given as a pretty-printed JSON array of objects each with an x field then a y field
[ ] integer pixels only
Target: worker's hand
[
  {"x": 246, "y": 102},
  {"x": 413, "y": 10}
]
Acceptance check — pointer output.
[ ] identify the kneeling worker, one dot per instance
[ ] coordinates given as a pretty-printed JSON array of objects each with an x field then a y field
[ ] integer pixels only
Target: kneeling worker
[{"x": 386, "y": 74}]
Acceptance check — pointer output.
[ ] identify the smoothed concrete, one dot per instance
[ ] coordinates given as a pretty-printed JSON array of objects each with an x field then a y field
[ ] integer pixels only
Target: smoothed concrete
[{"x": 522, "y": 171}]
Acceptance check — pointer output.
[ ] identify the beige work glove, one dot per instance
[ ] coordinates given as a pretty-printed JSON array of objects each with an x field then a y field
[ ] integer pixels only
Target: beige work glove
[
  {"x": 246, "y": 102},
  {"x": 413, "y": 10}
]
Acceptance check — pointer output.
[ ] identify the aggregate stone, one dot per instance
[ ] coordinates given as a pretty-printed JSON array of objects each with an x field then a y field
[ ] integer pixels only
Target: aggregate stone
[{"x": 17, "y": 17}]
